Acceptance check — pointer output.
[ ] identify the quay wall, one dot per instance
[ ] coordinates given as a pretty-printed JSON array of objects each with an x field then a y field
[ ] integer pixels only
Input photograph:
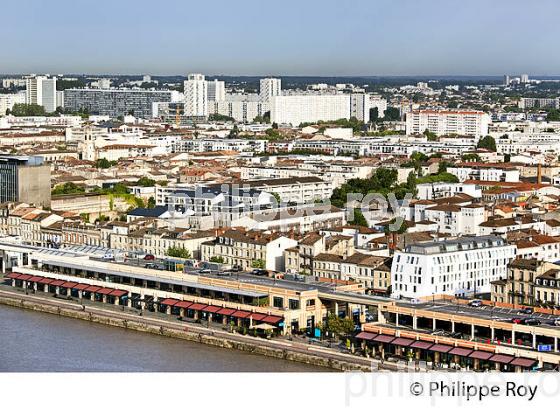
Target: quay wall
[{"x": 189, "y": 333}]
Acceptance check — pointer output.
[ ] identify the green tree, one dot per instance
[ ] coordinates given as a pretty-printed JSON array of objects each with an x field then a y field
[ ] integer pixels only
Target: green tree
[
  {"x": 392, "y": 114},
  {"x": 441, "y": 177},
  {"x": 27, "y": 110},
  {"x": 217, "y": 259},
  {"x": 272, "y": 134},
  {"x": 488, "y": 143},
  {"x": 220, "y": 117},
  {"x": 553, "y": 115},
  {"x": 146, "y": 182},
  {"x": 151, "y": 202},
  {"x": 339, "y": 326},
  {"x": 68, "y": 188},
  {"x": 470, "y": 157},
  {"x": 104, "y": 163},
  {"x": 359, "y": 218},
  {"x": 176, "y": 252},
  {"x": 258, "y": 264},
  {"x": 430, "y": 135}
]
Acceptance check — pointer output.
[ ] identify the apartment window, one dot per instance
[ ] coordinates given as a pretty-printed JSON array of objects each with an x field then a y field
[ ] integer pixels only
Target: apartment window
[
  {"x": 294, "y": 304},
  {"x": 278, "y": 302}
]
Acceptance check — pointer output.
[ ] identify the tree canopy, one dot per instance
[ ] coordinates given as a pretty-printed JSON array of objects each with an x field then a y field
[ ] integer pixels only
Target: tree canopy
[
  {"x": 67, "y": 189},
  {"x": 27, "y": 110},
  {"x": 176, "y": 252},
  {"x": 488, "y": 143},
  {"x": 383, "y": 181}
]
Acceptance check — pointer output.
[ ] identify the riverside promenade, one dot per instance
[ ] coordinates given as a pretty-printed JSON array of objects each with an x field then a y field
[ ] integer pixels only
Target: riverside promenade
[{"x": 296, "y": 350}]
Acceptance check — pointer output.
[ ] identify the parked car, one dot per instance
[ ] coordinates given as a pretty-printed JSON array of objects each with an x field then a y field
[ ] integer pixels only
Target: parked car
[
  {"x": 527, "y": 310},
  {"x": 260, "y": 272},
  {"x": 475, "y": 303},
  {"x": 516, "y": 320},
  {"x": 236, "y": 268},
  {"x": 531, "y": 321},
  {"x": 149, "y": 257},
  {"x": 554, "y": 322},
  {"x": 224, "y": 272},
  {"x": 204, "y": 271}
]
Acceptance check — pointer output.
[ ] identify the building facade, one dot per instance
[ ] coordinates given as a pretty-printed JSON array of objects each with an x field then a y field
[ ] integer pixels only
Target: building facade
[
  {"x": 25, "y": 179},
  {"x": 464, "y": 266},
  {"x": 114, "y": 103}
]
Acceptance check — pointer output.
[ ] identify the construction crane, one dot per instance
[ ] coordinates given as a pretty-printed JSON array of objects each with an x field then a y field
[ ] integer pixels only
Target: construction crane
[{"x": 177, "y": 116}]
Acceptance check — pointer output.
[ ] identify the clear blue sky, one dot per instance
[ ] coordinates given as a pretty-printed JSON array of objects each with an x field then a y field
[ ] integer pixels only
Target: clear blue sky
[{"x": 282, "y": 37}]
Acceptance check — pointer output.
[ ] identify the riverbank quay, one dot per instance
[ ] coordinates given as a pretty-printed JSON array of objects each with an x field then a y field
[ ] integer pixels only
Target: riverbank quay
[{"x": 280, "y": 349}]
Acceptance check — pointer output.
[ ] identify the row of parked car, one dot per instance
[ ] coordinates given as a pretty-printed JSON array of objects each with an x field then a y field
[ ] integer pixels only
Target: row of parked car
[{"x": 526, "y": 310}]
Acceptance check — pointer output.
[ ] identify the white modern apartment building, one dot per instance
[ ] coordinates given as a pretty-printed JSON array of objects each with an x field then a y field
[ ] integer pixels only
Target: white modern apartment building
[
  {"x": 294, "y": 189},
  {"x": 297, "y": 109},
  {"x": 270, "y": 87},
  {"x": 517, "y": 143},
  {"x": 445, "y": 122},
  {"x": 456, "y": 220},
  {"x": 485, "y": 173},
  {"x": 464, "y": 266},
  {"x": 528, "y": 103},
  {"x": 447, "y": 189},
  {"x": 218, "y": 144},
  {"x": 216, "y": 90},
  {"x": 240, "y": 110},
  {"x": 378, "y": 102},
  {"x": 196, "y": 96},
  {"x": 41, "y": 90},
  {"x": 7, "y": 101}
]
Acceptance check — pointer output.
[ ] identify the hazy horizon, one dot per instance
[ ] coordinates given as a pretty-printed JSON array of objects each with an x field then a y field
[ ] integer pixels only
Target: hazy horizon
[{"x": 363, "y": 38}]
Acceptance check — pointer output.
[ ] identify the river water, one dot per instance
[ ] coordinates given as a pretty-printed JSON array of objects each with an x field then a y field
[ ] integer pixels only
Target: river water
[{"x": 41, "y": 342}]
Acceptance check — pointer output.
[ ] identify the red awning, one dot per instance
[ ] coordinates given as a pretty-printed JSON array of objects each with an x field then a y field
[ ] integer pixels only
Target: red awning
[
  {"x": 25, "y": 277},
  {"x": 81, "y": 286},
  {"x": 519, "y": 361},
  {"x": 440, "y": 348},
  {"x": 211, "y": 309},
  {"x": 501, "y": 358},
  {"x": 460, "y": 351},
  {"x": 241, "y": 314},
  {"x": 183, "y": 304},
  {"x": 481, "y": 354},
  {"x": 69, "y": 284},
  {"x": 92, "y": 289},
  {"x": 169, "y": 302},
  {"x": 104, "y": 291},
  {"x": 271, "y": 319},
  {"x": 46, "y": 281},
  {"x": 419, "y": 344},
  {"x": 383, "y": 339},
  {"x": 12, "y": 275},
  {"x": 258, "y": 316},
  {"x": 197, "y": 306},
  {"x": 35, "y": 279},
  {"x": 226, "y": 311},
  {"x": 366, "y": 335},
  {"x": 118, "y": 293},
  {"x": 57, "y": 282},
  {"x": 402, "y": 341}
]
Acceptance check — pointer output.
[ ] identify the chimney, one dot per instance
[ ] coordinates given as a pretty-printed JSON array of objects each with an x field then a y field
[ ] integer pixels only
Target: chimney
[{"x": 539, "y": 174}]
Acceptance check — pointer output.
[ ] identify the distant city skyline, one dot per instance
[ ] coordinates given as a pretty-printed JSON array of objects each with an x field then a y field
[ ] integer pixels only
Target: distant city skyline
[{"x": 300, "y": 38}]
